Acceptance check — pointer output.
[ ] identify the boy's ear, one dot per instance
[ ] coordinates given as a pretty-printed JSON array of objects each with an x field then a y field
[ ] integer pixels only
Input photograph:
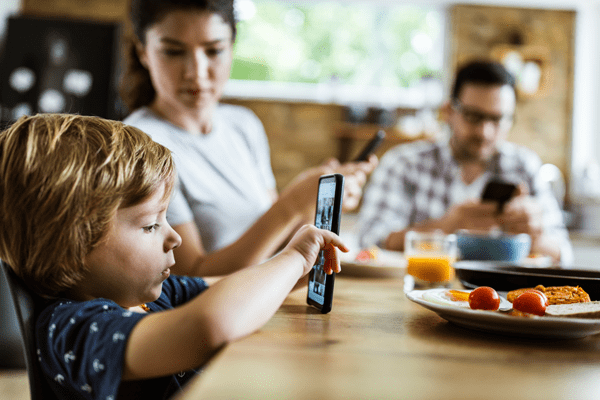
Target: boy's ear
[
  {"x": 141, "y": 53},
  {"x": 445, "y": 111}
]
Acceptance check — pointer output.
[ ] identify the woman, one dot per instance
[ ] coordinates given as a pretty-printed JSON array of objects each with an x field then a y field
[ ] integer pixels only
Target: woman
[{"x": 180, "y": 60}]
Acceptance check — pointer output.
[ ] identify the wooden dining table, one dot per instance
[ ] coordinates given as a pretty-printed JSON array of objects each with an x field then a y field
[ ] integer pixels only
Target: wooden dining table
[{"x": 377, "y": 344}]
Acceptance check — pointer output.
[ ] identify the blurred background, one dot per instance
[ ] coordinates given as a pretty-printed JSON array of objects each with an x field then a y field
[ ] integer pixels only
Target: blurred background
[{"x": 323, "y": 76}]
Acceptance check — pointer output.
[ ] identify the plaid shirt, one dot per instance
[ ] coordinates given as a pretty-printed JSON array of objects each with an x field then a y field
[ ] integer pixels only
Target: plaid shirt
[{"x": 414, "y": 182}]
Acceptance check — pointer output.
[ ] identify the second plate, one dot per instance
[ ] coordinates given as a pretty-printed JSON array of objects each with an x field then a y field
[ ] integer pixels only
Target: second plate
[{"x": 506, "y": 277}]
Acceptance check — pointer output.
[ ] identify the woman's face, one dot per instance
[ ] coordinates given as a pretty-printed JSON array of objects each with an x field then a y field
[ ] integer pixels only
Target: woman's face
[{"x": 188, "y": 55}]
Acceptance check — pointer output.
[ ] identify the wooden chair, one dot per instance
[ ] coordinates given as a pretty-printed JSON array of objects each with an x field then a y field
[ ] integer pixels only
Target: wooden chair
[{"x": 25, "y": 306}]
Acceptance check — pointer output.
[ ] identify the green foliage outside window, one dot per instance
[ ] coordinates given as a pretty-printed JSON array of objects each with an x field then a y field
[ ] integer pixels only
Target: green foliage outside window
[{"x": 351, "y": 43}]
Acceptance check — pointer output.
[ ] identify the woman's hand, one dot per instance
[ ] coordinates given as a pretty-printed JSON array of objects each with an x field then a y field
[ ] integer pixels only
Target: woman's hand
[
  {"x": 301, "y": 194},
  {"x": 355, "y": 177}
]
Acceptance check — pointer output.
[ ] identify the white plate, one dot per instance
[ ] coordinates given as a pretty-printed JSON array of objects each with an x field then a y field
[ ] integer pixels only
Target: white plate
[
  {"x": 387, "y": 264},
  {"x": 497, "y": 322}
]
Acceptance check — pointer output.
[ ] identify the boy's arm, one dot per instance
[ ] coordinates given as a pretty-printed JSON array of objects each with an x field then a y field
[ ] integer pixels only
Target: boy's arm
[
  {"x": 258, "y": 243},
  {"x": 183, "y": 338},
  {"x": 295, "y": 206}
]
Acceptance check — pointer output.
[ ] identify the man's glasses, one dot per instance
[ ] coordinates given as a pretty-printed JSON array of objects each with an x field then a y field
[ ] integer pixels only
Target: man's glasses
[{"x": 476, "y": 117}]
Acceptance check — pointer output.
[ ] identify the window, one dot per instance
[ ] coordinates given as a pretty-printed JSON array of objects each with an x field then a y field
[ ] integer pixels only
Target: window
[{"x": 332, "y": 50}]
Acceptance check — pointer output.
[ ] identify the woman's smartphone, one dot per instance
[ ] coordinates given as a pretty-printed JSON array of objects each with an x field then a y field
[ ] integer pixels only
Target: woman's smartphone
[
  {"x": 328, "y": 216},
  {"x": 499, "y": 191},
  {"x": 371, "y": 146}
]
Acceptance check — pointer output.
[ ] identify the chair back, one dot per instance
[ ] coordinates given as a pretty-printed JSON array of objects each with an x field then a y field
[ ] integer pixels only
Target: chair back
[{"x": 25, "y": 307}]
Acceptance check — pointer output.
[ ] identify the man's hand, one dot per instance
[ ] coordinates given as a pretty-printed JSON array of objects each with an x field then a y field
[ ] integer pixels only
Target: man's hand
[
  {"x": 523, "y": 214},
  {"x": 472, "y": 215}
]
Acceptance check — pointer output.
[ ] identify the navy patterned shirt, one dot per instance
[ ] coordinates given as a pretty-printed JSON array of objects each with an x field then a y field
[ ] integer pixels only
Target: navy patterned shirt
[
  {"x": 414, "y": 183},
  {"x": 81, "y": 345}
]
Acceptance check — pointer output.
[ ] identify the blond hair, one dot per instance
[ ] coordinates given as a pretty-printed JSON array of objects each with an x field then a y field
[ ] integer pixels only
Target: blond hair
[{"x": 62, "y": 179}]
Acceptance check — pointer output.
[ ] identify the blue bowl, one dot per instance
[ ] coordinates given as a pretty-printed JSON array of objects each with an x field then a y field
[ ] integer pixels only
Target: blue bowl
[{"x": 493, "y": 247}]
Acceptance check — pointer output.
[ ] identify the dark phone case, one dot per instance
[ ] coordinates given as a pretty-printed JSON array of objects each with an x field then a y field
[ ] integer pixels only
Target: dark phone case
[
  {"x": 335, "y": 228},
  {"x": 499, "y": 191},
  {"x": 373, "y": 144}
]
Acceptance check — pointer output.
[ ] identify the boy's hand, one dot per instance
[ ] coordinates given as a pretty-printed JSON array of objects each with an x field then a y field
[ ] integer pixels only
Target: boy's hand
[{"x": 309, "y": 241}]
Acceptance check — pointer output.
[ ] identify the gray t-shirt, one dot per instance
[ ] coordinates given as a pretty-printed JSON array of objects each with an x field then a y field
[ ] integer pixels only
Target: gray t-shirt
[{"x": 224, "y": 177}]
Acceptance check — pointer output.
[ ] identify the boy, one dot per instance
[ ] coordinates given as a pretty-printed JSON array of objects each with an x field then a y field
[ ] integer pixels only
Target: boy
[{"x": 83, "y": 203}]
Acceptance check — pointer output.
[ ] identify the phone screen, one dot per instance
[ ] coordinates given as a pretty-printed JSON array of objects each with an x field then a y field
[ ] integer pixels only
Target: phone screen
[{"x": 328, "y": 213}]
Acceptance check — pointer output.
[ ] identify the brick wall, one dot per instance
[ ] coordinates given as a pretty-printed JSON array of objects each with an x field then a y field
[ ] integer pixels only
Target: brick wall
[{"x": 301, "y": 135}]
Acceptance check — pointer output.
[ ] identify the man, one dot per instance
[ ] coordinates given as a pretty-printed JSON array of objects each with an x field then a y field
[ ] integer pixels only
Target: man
[{"x": 427, "y": 186}]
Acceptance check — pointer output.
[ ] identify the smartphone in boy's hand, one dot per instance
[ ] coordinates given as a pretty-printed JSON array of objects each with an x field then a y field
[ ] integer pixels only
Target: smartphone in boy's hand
[{"x": 328, "y": 216}]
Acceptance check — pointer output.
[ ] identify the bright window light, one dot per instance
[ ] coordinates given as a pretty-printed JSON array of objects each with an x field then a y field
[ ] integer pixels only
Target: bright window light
[{"x": 366, "y": 49}]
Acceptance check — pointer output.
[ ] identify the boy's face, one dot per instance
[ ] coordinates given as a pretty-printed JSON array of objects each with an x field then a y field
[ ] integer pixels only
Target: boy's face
[{"x": 131, "y": 263}]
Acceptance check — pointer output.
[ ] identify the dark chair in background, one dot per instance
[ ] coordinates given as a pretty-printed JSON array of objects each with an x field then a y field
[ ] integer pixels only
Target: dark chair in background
[
  {"x": 25, "y": 306},
  {"x": 11, "y": 350}
]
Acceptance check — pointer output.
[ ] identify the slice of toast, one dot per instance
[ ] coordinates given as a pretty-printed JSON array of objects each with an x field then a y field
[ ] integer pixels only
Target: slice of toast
[
  {"x": 555, "y": 294},
  {"x": 589, "y": 309}
]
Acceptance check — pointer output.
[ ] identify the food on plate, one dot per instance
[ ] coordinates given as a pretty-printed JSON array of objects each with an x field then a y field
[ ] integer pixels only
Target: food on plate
[
  {"x": 543, "y": 295},
  {"x": 555, "y": 294},
  {"x": 530, "y": 302},
  {"x": 458, "y": 295},
  {"x": 448, "y": 297},
  {"x": 576, "y": 310},
  {"x": 456, "y": 298},
  {"x": 484, "y": 298},
  {"x": 540, "y": 293},
  {"x": 367, "y": 255}
]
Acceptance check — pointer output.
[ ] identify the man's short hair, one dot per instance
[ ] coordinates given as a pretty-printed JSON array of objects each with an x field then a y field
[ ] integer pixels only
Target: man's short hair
[
  {"x": 483, "y": 73},
  {"x": 62, "y": 179}
]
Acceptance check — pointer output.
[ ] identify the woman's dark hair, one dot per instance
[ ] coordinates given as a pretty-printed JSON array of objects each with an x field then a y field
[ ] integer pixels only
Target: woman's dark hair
[
  {"x": 484, "y": 73},
  {"x": 136, "y": 88}
]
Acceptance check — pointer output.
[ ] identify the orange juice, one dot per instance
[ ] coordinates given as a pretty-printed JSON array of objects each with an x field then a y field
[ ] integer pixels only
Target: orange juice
[{"x": 431, "y": 268}]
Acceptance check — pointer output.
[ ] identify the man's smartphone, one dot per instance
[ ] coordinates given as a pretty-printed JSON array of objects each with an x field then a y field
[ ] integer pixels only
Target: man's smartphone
[
  {"x": 499, "y": 191},
  {"x": 328, "y": 216},
  {"x": 371, "y": 146}
]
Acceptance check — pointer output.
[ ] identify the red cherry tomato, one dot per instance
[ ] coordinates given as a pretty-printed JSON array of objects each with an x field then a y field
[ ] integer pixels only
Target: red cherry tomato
[
  {"x": 484, "y": 298},
  {"x": 365, "y": 255},
  {"x": 541, "y": 294},
  {"x": 531, "y": 302}
]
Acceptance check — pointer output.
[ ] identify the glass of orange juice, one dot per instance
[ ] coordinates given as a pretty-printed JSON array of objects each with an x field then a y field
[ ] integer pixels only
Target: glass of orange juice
[{"x": 429, "y": 256}]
